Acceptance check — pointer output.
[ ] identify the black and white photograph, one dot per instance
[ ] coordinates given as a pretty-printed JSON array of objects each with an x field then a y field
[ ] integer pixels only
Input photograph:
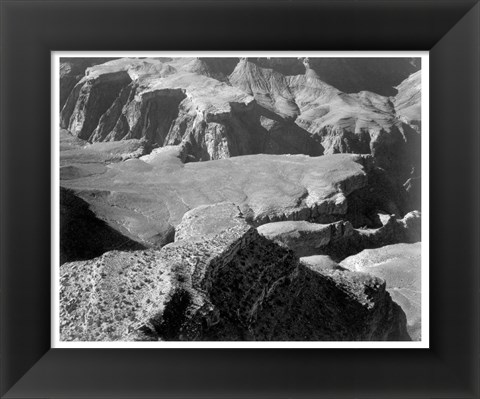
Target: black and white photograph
[{"x": 240, "y": 200}]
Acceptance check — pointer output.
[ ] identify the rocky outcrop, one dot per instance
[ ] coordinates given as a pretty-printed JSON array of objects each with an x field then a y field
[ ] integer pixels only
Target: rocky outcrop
[
  {"x": 233, "y": 285},
  {"x": 305, "y": 238},
  {"x": 400, "y": 266},
  {"x": 340, "y": 239}
]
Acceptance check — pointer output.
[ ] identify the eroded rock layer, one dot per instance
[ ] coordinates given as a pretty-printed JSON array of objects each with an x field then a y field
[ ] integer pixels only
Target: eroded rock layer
[{"x": 255, "y": 107}]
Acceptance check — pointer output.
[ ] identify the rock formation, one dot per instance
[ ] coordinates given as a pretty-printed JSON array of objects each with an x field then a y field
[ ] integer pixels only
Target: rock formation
[
  {"x": 252, "y": 110},
  {"x": 232, "y": 285},
  {"x": 339, "y": 240}
]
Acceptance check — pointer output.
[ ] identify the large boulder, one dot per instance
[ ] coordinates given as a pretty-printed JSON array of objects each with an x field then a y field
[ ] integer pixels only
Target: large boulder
[{"x": 400, "y": 266}]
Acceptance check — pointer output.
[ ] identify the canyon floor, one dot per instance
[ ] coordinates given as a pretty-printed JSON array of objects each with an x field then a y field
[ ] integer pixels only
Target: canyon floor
[{"x": 251, "y": 199}]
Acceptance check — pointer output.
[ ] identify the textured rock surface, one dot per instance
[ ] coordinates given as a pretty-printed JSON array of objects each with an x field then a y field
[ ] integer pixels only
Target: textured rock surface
[
  {"x": 234, "y": 285},
  {"x": 400, "y": 266}
]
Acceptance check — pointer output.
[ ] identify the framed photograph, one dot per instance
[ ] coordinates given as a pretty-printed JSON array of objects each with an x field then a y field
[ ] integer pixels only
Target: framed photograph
[{"x": 208, "y": 193}]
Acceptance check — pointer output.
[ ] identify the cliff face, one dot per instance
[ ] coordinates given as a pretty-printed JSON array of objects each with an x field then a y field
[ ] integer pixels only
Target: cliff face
[
  {"x": 230, "y": 285},
  {"x": 71, "y": 71},
  {"x": 254, "y": 109}
]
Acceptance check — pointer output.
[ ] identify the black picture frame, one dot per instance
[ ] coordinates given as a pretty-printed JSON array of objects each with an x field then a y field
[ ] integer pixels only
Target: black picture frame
[{"x": 449, "y": 30}]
